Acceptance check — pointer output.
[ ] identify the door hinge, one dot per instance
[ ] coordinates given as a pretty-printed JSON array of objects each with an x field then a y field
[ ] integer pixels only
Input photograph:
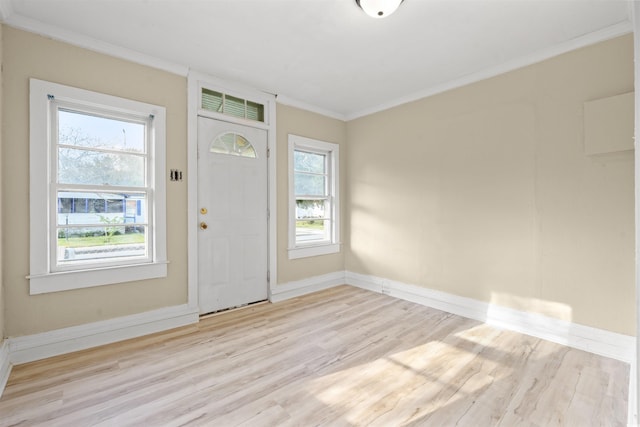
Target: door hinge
[
  {"x": 268, "y": 152},
  {"x": 268, "y": 276},
  {"x": 268, "y": 214}
]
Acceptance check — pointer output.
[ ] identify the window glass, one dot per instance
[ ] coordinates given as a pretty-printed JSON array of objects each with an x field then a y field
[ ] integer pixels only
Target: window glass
[
  {"x": 310, "y": 173},
  {"x": 312, "y": 220},
  {"x": 310, "y": 185},
  {"x": 255, "y": 111},
  {"x": 81, "y": 129},
  {"x": 231, "y": 105},
  {"x": 100, "y": 168},
  {"x": 99, "y": 152},
  {"x": 104, "y": 224},
  {"x": 92, "y": 244},
  {"x": 311, "y": 209},
  {"x": 233, "y": 144},
  {"x": 234, "y": 106},
  {"x": 211, "y": 100},
  {"x": 304, "y": 161}
]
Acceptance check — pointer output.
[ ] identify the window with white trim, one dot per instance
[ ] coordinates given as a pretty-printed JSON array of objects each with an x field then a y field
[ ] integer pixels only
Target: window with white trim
[
  {"x": 97, "y": 190},
  {"x": 314, "y": 203}
]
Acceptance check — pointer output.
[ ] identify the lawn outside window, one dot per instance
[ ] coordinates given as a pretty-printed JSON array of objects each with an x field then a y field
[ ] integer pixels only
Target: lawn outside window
[
  {"x": 314, "y": 222},
  {"x": 98, "y": 210}
]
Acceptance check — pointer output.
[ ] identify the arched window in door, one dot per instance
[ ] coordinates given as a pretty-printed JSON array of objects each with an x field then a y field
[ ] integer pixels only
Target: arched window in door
[{"x": 233, "y": 144}]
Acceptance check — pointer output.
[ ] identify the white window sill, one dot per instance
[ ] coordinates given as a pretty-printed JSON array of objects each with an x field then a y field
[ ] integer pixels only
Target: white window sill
[
  {"x": 67, "y": 280},
  {"x": 315, "y": 250}
]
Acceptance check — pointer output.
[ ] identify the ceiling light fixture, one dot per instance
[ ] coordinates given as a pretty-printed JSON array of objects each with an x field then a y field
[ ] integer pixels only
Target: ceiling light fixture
[{"x": 379, "y": 8}]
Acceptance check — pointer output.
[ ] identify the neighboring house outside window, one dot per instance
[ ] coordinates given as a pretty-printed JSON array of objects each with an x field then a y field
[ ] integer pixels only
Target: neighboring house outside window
[
  {"x": 314, "y": 220},
  {"x": 97, "y": 190}
]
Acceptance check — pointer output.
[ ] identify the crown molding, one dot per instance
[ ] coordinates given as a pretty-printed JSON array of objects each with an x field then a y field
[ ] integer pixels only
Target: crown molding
[
  {"x": 90, "y": 43},
  {"x": 291, "y": 102},
  {"x": 613, "y": 31}
]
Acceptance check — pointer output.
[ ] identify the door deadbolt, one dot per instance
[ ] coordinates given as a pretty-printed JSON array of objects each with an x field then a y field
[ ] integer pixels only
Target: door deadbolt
[
  {"x": 203, "y": 211},
  {"x": 203, "y": 225}
]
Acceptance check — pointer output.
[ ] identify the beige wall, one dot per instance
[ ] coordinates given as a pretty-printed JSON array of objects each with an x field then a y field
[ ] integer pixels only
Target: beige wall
[
  {"x": 27, "y": 55},
  {"x": 486, "y": 192},
  {"x": 292, "y": 120}
]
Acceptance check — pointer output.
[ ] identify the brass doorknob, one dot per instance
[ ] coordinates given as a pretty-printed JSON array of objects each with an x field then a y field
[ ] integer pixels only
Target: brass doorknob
[{"x": 203, "y": 225}]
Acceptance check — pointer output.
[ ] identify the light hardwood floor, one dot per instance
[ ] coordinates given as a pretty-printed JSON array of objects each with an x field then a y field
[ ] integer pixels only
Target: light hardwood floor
[{"x": 342, "y": 357}]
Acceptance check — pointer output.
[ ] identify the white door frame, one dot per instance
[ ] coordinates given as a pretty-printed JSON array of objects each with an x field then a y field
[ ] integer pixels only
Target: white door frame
[
  {"x": 195, "y": 81},
  {"x": 634, "y": 380}
]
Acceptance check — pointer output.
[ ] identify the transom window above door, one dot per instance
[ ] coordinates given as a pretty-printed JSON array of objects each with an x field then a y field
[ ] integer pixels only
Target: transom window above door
[{"x": 218, "y": 102}]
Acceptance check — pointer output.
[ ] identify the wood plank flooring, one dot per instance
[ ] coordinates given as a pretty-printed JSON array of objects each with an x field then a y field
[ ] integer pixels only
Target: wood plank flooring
[{"x": 342, "y": 357}]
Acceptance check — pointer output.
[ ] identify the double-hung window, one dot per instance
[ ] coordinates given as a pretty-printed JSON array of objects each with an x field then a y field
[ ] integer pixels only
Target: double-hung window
[
  {"x": 314, "y": 222},
  {"x": 97, "y": 199}
]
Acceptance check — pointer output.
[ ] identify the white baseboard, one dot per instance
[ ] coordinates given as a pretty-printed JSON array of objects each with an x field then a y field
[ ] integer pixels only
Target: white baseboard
[
  {"x": 593, "y": 340},
  {"x": 53, "y": 343},
  {"x": 306, "y": 286},
  {"x": 5, "y": 365}
]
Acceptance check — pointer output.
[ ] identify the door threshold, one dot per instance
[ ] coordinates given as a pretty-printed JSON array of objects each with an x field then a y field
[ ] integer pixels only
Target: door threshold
[{"x": 238, "y": 308}]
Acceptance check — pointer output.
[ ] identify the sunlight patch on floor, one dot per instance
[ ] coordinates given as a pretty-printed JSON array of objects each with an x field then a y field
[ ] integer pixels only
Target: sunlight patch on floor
[{"x": 430, "y": 376}]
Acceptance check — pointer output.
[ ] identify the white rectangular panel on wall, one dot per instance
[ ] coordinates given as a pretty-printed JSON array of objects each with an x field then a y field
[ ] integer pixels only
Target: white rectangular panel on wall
[{"x": 608, "y": 124}]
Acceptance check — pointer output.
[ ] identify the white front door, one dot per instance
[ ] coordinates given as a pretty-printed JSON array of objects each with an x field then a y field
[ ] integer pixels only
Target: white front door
[{"x": 232, "y": 215}]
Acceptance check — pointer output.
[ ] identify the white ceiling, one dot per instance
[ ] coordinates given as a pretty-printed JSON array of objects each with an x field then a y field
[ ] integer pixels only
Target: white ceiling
[{"x": 327, "y": 54}]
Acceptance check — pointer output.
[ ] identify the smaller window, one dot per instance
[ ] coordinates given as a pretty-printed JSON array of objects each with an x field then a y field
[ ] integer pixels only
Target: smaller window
[
  {"x": 222, "y": 103},
  {"x": 313, "y": 197},
  {"x": 233, "y": 144}
]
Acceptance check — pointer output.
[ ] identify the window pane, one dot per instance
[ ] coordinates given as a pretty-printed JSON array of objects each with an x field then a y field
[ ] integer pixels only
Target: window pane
[
  {"x": 77, "y": 166},
  {"x": 309, "y": 185},
  {"x": 85, "y": 130},
  {"x": 234, "y": 106},
  {"x": 99, "y": 243},
  {"x": 255, "y": 111},
  {"x": 211, "y": 100},
  {"x": 311, "y": 209},
  {"x": 312, "y": 230},
  {"x": 100, "y": 209},
  {"x": 233, "y": 144},
  {"x": 309, "y": 162}
]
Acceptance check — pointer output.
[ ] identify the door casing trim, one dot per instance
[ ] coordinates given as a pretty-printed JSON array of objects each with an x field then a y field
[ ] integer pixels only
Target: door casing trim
[{"x": 195, "y": 81}]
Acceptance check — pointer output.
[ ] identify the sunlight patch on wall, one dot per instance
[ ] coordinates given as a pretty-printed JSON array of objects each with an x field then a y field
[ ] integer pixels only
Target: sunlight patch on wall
[{"x": 553, "y": 309}]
